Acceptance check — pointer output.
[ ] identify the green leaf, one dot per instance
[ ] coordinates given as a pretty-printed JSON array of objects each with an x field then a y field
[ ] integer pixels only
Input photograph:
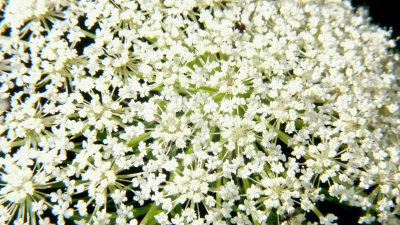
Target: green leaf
[
  {"x": 273, "y": 218},
  {"x": 141, "y": 210}
]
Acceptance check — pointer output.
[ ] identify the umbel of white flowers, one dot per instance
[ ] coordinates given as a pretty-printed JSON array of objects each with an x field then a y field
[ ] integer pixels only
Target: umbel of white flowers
[{"x": 196, "y": 112}]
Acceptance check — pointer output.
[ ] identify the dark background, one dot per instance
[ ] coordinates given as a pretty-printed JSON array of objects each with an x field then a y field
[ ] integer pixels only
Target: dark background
[{"x": 384, "y": 13}]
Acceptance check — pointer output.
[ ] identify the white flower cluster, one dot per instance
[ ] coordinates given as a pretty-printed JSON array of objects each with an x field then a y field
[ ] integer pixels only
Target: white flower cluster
[{"x": 196, "y": 112}]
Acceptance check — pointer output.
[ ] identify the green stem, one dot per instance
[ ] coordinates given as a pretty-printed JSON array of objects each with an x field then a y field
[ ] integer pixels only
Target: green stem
[
  {"x": 88, "y": 34},
  {"x": 317, "y": 212},
  {"x": 218, "y": 182},
  {"x": 246, "y": 185},
  {"x": 218, "y": 196},
  {"x": 153, "y": 211},
  {"x": 281, "y": 135},
  {"x": 136, "y": 141},
  {"x": 17, "y": 143}
]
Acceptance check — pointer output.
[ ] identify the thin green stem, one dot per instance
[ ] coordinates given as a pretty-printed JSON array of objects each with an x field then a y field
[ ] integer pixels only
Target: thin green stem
[
  {"x": 246, "y": 185},
  {"x": 153, "y": 211},
  {"x": 88, "y": 34}
]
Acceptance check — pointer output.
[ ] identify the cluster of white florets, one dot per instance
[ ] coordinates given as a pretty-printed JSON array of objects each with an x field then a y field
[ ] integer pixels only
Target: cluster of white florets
[{"x": 196, "y": 112}]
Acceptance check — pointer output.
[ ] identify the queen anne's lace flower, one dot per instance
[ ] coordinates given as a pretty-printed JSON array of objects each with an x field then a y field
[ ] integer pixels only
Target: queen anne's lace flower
[{"x": 196, "y": 112}]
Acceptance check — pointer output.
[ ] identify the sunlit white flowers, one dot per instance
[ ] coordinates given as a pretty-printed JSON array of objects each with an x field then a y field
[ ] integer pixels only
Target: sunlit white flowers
[{"x": 196, "y": 112}]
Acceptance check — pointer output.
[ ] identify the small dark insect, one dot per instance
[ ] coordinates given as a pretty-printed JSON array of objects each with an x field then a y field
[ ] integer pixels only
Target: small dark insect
[
  {"x": 240, "y": 26},
  {"x": 286, "y": 218}
]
